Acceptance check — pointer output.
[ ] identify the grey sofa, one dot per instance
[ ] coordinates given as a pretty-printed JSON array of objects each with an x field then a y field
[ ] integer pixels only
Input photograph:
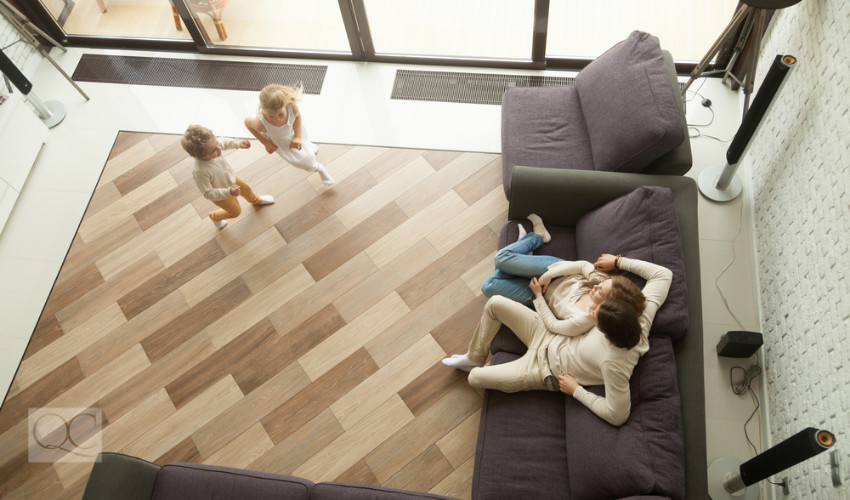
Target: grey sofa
[
  {"x": 624, "y": 114},
  {"x": 541, "y": 444},
  {"x": 118, "y": 476}
]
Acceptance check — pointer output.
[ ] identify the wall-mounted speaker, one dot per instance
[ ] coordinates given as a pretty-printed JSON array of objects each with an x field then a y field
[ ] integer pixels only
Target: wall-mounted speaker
[{"x": 720, "y": 183}]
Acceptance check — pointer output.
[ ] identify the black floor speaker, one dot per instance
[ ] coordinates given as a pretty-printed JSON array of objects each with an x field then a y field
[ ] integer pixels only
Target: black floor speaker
[
  {"x": 739, "y": 344},
  {"x": 14, "y": 74}
]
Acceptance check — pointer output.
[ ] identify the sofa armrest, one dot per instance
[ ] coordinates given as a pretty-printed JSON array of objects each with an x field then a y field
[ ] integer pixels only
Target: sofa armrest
[
  {"x": 679, "y": 160},
  {"x": 115, "y": 475}
]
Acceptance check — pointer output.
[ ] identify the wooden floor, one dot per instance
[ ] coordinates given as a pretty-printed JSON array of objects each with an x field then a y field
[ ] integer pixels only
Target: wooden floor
[{"x": 305, "y": 338}]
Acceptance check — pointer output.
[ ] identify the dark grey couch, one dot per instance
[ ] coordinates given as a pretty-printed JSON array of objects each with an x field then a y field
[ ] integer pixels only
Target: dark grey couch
[
  {"x": 541, "y": 444},
  {"x": 123, "y": 477},
  {"x": 624, "y": 114}
]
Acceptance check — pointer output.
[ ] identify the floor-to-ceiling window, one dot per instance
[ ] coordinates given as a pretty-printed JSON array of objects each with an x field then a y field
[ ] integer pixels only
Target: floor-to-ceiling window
[{"x": 506, "y": 33}]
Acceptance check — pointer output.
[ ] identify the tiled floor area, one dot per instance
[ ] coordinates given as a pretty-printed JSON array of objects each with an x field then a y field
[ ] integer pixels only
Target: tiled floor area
[{"x": 353, "y": 108}]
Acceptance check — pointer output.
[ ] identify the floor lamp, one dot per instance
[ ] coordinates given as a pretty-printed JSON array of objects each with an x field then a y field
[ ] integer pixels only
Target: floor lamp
[{"x": 750, "y": 20}]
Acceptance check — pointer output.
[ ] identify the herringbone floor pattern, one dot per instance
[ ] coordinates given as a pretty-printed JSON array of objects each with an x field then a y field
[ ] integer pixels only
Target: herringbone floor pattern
[{"x": 305, "y": 338}]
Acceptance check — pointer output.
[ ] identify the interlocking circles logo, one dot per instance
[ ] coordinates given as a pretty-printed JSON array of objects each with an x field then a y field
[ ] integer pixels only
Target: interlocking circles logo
[{"x": 64, "y": 434}]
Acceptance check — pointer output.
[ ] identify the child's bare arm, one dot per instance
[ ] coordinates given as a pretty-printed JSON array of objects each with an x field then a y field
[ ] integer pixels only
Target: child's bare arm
[
  {"x": 259, "y": 131},
  {"x": 296, "y": 128}
]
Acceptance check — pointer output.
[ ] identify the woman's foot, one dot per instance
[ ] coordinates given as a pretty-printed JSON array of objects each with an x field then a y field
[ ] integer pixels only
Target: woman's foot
[
  {"x": 539, "y": 228},
  {"x": 461, "y": 362},
  {"x": 522, "y": 231}
]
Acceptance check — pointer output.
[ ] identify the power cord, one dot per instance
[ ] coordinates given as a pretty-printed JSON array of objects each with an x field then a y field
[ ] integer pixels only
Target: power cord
[
  {"x": 717, "y": 279},
  {"x": 742, "y": 386}
]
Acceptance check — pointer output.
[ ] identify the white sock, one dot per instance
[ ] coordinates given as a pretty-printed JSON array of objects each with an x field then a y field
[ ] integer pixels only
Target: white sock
[
  {"x": 220, "y": 223},
  {"x": 327, "y": 180},
  {"x": 539, "y": 228},
  {"x": 522, "y": 231},
  {"x": 266, "y": 199},
  {"x": 461, "y": 362}
]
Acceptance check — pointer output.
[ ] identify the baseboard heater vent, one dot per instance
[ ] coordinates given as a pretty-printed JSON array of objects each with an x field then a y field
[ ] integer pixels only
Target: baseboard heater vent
[
  {"x": 206, "y": 74},
  {"x": 468, "y": 88}
]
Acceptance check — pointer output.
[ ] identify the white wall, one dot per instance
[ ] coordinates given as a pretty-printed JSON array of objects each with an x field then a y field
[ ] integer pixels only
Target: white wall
[{"x": 800, "y": 176}]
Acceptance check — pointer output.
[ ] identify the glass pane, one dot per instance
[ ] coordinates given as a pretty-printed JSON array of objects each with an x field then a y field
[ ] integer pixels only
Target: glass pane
[
  {"x": 311, "y": 25},
  {"x": 121, "y": 18},
  {"x": 500, "y": 29},
  {"x": 582, "y": 28}
]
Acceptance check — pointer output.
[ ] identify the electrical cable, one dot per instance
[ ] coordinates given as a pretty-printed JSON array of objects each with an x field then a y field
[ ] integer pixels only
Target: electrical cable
[{"x": 717, "y": 279}]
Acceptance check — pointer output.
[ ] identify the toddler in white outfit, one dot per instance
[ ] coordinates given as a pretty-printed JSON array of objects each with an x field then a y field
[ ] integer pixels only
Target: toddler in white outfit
[{"x": 278, "y": 126}]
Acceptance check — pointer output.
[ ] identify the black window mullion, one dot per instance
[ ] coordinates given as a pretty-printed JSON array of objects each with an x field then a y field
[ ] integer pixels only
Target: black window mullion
[
  {"x": 541, "y": 28},
  {"x": 363, "y": 32}
]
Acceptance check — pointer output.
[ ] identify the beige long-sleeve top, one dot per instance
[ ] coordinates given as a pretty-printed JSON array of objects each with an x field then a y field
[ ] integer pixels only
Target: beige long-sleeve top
[
  {"x": 214, "y": 177},
  {"x": 593, "y": 360},
  {"x": 556, "y": 306}
]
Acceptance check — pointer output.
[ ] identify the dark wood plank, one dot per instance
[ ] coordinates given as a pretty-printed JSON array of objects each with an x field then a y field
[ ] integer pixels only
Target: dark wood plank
[
  {"x": 166, "y": 204},
  {"x": 153, "y": 290},
  {"x": 16, "y": 408},
  {"x": 185, "y": 451},
  {"x": 203, "y": 314},
  {"x": 359, "y": 238},
  {"x": 318, "y": 396},
  {"x": 429, "y": 387},
  {"x": 359, "y": 473},
  {"x": 249, "y": 347},
  {"x": 454, "y": 333},
  {"x": 482, "y": 182},
  {"x": 448, "y": 267},
  {"x": 287, "y": 349},
  {"x": 151, "y": 167},
  {"x": 299, "y": 221}
]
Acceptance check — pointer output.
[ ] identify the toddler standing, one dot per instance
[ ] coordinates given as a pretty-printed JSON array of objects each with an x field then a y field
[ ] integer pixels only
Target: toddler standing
[
  {"x": 215, "y": 178},
  {"x": 278, "y": 127}
]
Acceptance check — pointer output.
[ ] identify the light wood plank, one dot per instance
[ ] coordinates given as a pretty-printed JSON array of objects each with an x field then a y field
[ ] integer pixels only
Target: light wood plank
[
  {"x": 258, "y": 306},
  {"x": 468, "y": 221},
  {"x": 343, "y": 452},
  {"x": 367, "y": 396},
  {"x": 353, "y": 336},
  {"x": 244, "y": 449},
  {"x": 173, "y": 429}
]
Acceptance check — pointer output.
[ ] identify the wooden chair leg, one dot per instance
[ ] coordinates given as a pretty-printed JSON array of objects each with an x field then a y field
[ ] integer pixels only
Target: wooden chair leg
[
  {"x": 176, "y": 18},
  {"x": 219, "y": 26}
]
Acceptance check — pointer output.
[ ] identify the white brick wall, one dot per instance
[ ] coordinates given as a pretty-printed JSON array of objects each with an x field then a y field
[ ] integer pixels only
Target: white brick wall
[{"x": 800, "y": 175}]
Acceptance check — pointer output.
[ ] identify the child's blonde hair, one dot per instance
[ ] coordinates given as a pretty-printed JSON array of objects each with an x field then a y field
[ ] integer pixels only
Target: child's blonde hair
[
  {"x": 196, "y": 139},
  {"x": 274, "y": 96}
]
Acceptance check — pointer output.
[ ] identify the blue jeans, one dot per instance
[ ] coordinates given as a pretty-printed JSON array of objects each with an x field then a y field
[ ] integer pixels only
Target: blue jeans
[{"x": 515, "y": 268}]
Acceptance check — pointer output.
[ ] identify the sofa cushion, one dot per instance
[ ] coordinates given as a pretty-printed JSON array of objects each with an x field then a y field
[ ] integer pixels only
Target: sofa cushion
[
  {"x": 543, "y": 127},
  {"x": 642, "y": 225},
  {"x": 520, "y": 450},
  {"x": 194, "y": 481},
  {"x": 335, "y": 491},
  {"x": 645, "y": 456},
  {"x": 631, "y": 113}
]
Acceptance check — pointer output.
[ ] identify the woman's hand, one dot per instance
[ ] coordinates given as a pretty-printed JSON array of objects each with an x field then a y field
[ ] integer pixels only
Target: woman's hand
[
  {"x": 544, "y": 280},
  {"x": 605, "y": 262},
  {"x": 536, "y": 287},
  {"x": 296, "y": 143},
  {"x": 568, "y": 384}
]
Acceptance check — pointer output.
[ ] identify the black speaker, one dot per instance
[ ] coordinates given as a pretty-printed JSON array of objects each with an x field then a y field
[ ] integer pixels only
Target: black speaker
[
  {"x": 801, "y": 446},
  {"x": 761, "y": 103},
  {"x": 739, "y": 344},
  {"x": 14, "y": 74}
]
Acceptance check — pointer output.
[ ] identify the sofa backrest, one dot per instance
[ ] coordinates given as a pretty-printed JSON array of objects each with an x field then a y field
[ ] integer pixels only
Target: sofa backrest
[{"x": 629, "y": 105}]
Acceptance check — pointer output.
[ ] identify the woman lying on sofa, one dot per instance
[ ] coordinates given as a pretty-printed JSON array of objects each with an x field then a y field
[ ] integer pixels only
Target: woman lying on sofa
[{"x": 583, "y": 332}]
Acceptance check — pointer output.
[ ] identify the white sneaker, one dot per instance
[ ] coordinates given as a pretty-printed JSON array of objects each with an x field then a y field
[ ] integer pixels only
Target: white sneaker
[
  {"x": 220, "y": 223},
  {"x": 327, "y": 180},
  {"x": 266, "y": 199}
]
